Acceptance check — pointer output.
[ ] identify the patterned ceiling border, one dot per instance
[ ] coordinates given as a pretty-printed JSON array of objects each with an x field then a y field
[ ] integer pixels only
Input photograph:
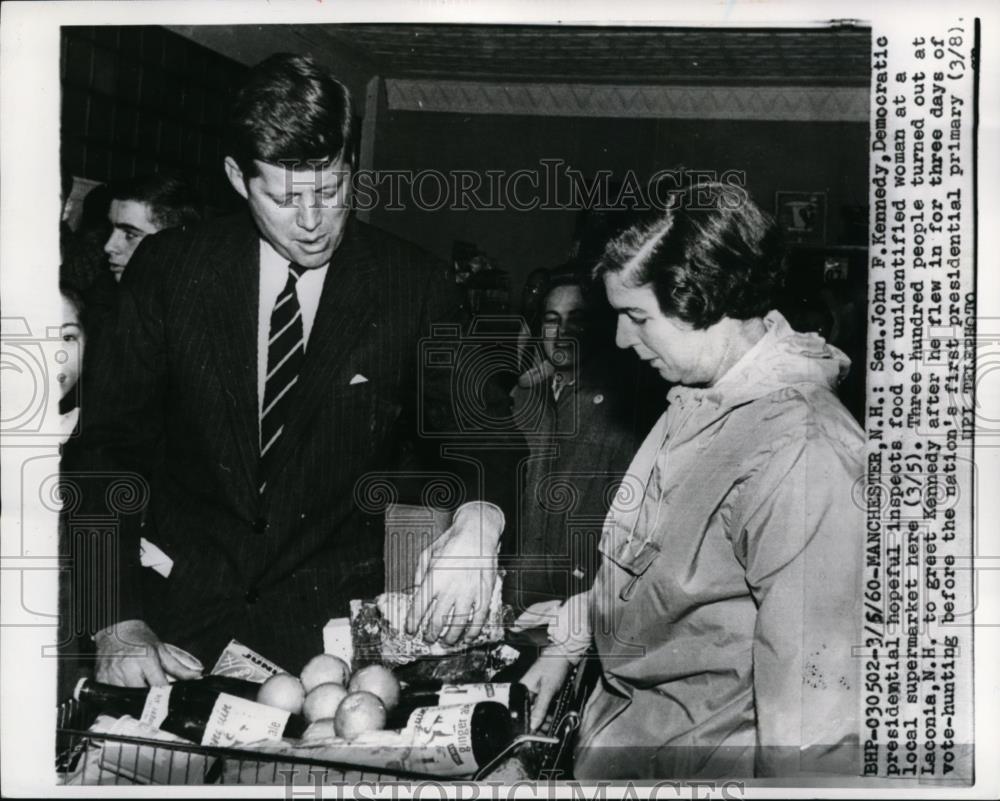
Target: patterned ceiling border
[{"x": 798, "y": 103}]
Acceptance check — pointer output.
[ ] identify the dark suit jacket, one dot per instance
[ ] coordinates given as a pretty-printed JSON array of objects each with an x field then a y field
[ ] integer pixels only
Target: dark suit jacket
[{"x": 172, "y": 397}]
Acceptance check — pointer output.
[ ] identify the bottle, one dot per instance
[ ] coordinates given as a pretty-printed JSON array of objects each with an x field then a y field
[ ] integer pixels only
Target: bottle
[
  {"x": 217, "y": 710},
  {"x": 442, "y": 741},
  {"x": 514, "y": 697},
  {"x": 452, "y": 734},
  {"x": 227, "y": 684}
]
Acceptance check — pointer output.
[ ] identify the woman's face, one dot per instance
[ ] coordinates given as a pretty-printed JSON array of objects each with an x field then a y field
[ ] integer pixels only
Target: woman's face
[
  {"x": 70, "y": 356},
  {"x": 680, "y": 353}
]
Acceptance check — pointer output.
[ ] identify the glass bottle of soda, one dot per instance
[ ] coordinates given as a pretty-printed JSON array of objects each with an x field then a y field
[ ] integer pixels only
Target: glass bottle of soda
[
  {"x": 513, "y": 696},
  {"x": 215, "y": 710}
]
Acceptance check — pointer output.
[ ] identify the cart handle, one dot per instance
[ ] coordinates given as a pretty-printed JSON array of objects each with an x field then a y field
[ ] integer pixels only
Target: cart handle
[{"x": 516, "y": 743}]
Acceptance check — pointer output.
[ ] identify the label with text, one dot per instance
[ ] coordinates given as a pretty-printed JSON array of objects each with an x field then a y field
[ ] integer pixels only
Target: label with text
[
  {"x": 157, "y": 705},
  {"x": 918, "y": 495},
  {"x": 236, "y": 720}
]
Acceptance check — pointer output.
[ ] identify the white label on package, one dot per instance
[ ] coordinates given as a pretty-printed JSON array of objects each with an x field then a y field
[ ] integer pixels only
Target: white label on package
[
  {"x": 337, "y": 639},
  {"x": 240, "y": 662},
  {"x": 473, "y": 693},
  {"x": 235, "y": 720},
  {"x": 154, "y": 711},
  {"x": 442, "y": 740}
]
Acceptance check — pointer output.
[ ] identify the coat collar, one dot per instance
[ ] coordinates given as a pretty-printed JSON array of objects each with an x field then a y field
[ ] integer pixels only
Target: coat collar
[{"x": 781, "y": 358}]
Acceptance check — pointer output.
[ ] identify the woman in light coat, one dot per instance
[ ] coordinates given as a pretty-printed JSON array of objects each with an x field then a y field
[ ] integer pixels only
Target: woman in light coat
[{"x": 727, "y": 606}]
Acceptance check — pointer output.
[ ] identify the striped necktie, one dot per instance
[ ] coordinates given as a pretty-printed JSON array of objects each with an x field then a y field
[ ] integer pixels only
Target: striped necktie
[{"x": 285, "y": 350}]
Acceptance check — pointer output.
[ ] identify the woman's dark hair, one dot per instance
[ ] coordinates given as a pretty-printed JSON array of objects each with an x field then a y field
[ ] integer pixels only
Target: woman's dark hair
[
  {"x": 712, "y": 254},
  {"x": 71, "y": 399},
  {"x": 75, "y": 297},
  {"x": 290, "y": 109}
]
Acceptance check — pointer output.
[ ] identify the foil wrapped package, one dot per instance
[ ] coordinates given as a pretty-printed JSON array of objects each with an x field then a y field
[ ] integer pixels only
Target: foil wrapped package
[{"x": 379, "y": 636}]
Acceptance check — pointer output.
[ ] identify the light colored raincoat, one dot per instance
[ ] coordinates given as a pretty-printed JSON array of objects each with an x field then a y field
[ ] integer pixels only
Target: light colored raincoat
[{"x": 729, "y": 598}]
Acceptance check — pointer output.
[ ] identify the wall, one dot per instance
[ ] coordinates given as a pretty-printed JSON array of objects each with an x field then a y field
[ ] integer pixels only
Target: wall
[
  {"x": 830, "y": 157},
  {"x": 143, "y": 99}
]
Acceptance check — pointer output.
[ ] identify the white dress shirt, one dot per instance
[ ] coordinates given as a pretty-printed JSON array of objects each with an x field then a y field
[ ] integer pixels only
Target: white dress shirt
[{"x": 273, "y": 277}]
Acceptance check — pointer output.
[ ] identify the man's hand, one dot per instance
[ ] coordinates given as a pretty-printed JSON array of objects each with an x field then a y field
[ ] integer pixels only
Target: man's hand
[
  {"x": 130, "y": 654},
  {"x": 543, "y": 680},
  {"x": 455, "y": 576}
]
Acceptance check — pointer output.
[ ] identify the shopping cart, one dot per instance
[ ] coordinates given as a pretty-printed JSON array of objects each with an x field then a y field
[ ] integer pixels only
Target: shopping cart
[{"x": 86, "y": 757}]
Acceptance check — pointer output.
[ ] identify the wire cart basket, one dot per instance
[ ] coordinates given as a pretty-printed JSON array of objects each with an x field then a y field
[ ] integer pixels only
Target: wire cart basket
[{"x": 85, "y": 757}]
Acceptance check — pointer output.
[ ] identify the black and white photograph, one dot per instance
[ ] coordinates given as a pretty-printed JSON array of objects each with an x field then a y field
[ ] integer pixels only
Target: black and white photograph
[{"x": 488, "y": 399}]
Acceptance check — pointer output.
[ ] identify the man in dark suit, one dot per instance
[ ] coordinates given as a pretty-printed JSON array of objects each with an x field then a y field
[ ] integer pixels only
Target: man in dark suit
[{"x": 257, "y": 373}]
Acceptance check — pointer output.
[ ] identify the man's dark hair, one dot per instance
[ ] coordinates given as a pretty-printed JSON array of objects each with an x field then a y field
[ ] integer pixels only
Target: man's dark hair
[
  {"x": 94, "y": 209},
  {"x": 290, "y": 109},
  {"x": 714, "y": 253},
  {"x": 172, "y": 201},
  {"x": 600, "y": 317},
  {"x": 570, "y": 274}
]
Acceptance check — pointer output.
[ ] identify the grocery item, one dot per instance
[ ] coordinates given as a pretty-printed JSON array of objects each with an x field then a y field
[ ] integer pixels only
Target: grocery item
[
  {"x": 399, "y": 647},
  {"x": 514, "y": 697},
  {"x": 322, "y": 729},
  {"x": 378, "y": 680},
  {"x": 322, "y": 701},
  {"x": 195, "y": 710},
  {"x": 337, "y": 640},
  {"x": 358, "y": 713},
  {"x": 445, "y": 742},
  {"x": 376, "y": 641},
  {"x": 324, "y": 669},
  {"x": 283, "y": 691},
  {"x": 241, "y": 662}
]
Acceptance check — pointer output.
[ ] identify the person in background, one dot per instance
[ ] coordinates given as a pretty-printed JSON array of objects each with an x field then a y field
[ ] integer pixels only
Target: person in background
[
  {"x": 68, "y": 372},
  {"x": 727, "y": 606},
  {"x": 576, "y": 405},
  {"x": 72, "y": 333},
  {"x": 84, "y": 262},
  {"x": 532, "y": 296},
  {"x": 145, "y": 205}
]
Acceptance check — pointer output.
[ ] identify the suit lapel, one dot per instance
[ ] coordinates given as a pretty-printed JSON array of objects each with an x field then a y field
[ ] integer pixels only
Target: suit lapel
[
  {"x": 237, "y": 289},
  {"x": 346, "y": 304}
]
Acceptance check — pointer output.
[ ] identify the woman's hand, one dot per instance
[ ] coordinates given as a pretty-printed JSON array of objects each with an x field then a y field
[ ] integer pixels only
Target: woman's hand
[{"x": 543, "y": 680}]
